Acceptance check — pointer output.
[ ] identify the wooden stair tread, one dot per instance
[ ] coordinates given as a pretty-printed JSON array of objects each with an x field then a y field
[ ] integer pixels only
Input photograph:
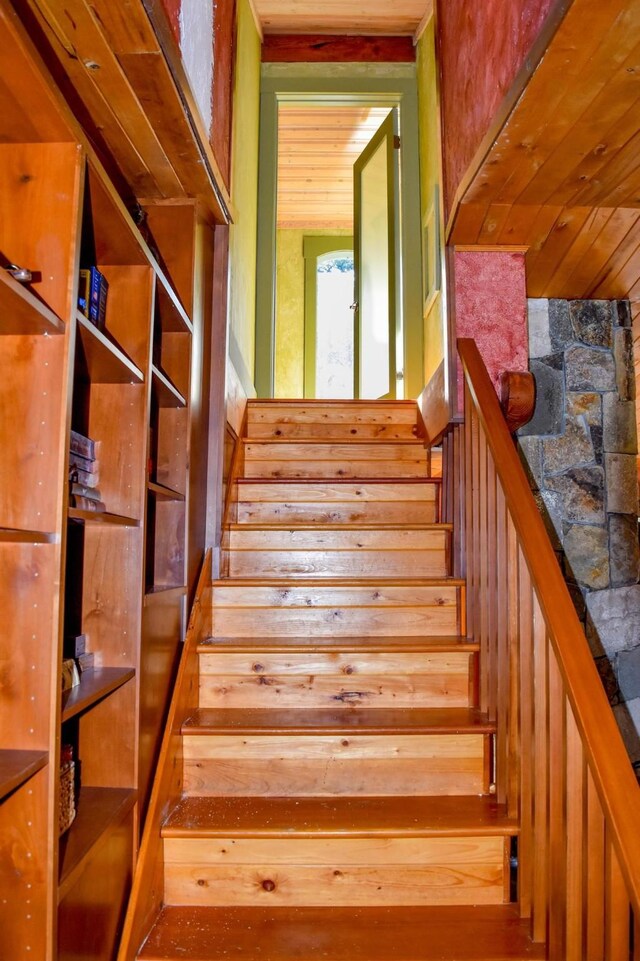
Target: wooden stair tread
[
  {"x": 351, "y": 526},
  {"x": 328, "y": 721},
  {"x": 336, "y": 442},
  {"x": 362, "y": 643},
  {"x": 385, "y": 481},
  {"x": 339, "y": 817},
  {"x": 341, "y": 934},
  {"x": 356, "y": 582}
]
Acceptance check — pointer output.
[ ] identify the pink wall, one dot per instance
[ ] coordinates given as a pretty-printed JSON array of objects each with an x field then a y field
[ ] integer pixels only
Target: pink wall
[
  {"x": 491, "y": 307},
  {"x": 483, "y": 44}
]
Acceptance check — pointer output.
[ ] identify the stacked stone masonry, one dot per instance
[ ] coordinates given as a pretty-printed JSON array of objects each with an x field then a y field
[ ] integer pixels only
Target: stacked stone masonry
[{"x": 580, "y": 451}]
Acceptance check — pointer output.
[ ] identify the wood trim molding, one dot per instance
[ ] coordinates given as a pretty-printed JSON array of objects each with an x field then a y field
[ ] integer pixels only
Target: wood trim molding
[
  {"x": 256, "y": 20},
  {"x": 320, "y": 48},
  {"x": 422, "y": 26}
]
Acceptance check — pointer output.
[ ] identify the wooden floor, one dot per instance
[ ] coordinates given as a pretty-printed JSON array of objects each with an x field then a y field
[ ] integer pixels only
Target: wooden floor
[{"x": 337, "y": 774}]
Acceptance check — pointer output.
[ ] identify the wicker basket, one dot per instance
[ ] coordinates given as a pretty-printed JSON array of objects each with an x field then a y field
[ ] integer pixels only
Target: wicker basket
[{"x": 67, "y": 789}]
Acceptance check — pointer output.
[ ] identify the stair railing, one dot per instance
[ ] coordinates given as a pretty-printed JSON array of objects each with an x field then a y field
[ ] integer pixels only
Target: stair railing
[{"x": 560, "y": 762}]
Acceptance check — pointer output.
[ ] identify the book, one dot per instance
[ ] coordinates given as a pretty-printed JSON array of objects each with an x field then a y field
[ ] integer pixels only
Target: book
[
  {"x": 87, "y": 503},
  {"x": 70, "y": 674},
  {"x": 92, "y": 296},
  {"x": 84, "y": 463},
  {"x": 75, "y": 645},
  {"x": 86, "y": 661},
  {"x": 82, "y": 491},
  {"x": 84, "y": 446},
  {"x": 77, "y": 476}
]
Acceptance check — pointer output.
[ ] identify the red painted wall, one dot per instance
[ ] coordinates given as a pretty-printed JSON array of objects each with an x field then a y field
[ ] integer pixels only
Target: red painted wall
[
  {"x": 491, "y": 307},
  {"x": 172, "y": 8},
  {"x": 483, "y": 44}
]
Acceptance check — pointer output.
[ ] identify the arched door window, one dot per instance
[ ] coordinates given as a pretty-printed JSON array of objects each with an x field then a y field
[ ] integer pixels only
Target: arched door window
[{"x": 329, "y": 340}]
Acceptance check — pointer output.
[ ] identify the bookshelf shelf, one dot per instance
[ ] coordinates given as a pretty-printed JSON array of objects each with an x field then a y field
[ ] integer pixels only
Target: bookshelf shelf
[
  {"x": 101, "y": 517},
  {"x": 173, "y": 317},
  {"x": 22, "y": 312},
  {"x": 164, "y": 493},
  {"x": 9, "y": 535},
  {"x": 16, "y": 767},
  {"x": 175, "y": 591},
  {"x": 106, "y": 362},
  {"x": 166, "y": 392},
  {"x": 98, "y": 810},
  {"x": 94, "y": 685}
]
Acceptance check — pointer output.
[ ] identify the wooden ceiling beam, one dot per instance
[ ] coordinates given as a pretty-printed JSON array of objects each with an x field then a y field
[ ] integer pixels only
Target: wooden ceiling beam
[{"x": 325, "y": 48}]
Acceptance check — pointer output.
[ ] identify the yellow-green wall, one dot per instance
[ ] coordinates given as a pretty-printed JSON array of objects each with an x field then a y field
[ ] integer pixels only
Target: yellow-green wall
[
  {"x": 244, "y": 187},
  {"x": 430, "y": 186},
  {"x": 289, "y": 341}
]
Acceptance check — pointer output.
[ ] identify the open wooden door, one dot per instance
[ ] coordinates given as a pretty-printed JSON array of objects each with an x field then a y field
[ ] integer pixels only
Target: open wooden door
[{"x": 376, "y": 183}]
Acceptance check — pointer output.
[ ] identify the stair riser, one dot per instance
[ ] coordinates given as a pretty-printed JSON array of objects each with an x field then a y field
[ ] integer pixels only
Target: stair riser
[
  {"x": 337, "y": 611},
  {"x": 324, "y": 431},
  {"x": 326, "y": 563},
  {"x": 341, "y": 466},
  {"x": 335, "y": 512},
  {"x": 326, "y": 765},
  {"x": 325, "y": 680},
  {"x": 318, "y": 872},
  {"x": 331, "y": 416}
]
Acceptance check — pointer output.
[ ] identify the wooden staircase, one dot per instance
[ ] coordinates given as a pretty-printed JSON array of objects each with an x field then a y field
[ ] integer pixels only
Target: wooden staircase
[{"x": 337, "y": 775}]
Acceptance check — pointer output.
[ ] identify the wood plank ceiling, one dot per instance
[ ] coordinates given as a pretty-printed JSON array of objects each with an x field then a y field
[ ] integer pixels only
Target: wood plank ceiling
[
  {"x": 317, "y": 147},
  {"x": 359, "y": 17},
  {"x": 563, "y": 175}
]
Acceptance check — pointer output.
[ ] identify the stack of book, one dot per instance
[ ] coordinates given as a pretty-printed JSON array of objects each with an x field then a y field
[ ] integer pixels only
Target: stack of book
[
  {"x": 92, "y": 296},
  {"x": 75, "y": 649},
  {"x": 84, "y": 473}
]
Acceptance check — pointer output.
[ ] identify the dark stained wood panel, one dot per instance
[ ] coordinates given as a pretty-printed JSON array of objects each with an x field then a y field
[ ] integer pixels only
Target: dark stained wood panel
[{"x": 323, "y": 48}]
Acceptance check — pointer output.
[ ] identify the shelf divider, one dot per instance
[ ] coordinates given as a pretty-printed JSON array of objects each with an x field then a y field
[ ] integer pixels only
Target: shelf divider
[
  {"x": 98, "y": 809},
  {"x": 101, "y": 517},
  {"x": 16, "y": 767},
  {"x": 164, "y": 493},
  {"x": 166, "y": 391},
  {"x": 22, "y": 312},
  {"x": 106, "y": 361},
  {"x": 95, "y": 684}
]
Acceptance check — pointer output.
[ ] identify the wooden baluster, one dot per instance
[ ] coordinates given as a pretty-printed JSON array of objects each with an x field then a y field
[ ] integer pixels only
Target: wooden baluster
[
  {"x": 482, "y": 582},
  {"x": 447, "y": 477},
  {"x": 502, "y": 680},
  {"x": 557, "y": 760},
  {"x": 513, "y": 748},
  {"x": 576, "y": 815},
  {"x": 617, "y": 928},
  {"x": 460, "y": 493},
  {"x": 541, "y": 777},
  {"x": 491, "y": 586},
  {"x": 593, "y": 893},
  {"x": 471, "y": 502},
  {"x": 526, "y": 752}
]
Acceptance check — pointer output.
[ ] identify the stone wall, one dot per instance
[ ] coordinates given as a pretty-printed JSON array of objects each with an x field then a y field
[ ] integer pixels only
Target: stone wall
[{"x": 580, "y": 452}]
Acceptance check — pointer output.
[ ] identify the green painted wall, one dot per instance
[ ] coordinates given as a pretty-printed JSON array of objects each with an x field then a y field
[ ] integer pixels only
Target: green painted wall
[
  {"x": 289, "y": 335},
  {"x": 430, "y": 188},
  {"x": 244, "y": 188}
]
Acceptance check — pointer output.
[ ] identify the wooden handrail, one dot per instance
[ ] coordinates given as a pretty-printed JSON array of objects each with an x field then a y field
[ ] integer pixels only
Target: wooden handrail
[{"x": 509, "y": 500}]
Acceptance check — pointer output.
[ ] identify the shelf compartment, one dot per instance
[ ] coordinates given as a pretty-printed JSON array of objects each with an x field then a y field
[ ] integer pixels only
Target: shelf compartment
[
  {"x": 171, "y": 313},
  {"x": 166, "y": 392},
  {"x": 164, "y": 493},
  {"x": 10, "y": 535},
  {"x": 106, "y": 362},
  {"x": 99, "y": 809},
  {"x": 94, "y": 685},
  {"x": 165, "y": 592},
  {"x": 22, "y": 312},
  {"x": 16, "y": 767},
  {"x": 101, "y": 517}
]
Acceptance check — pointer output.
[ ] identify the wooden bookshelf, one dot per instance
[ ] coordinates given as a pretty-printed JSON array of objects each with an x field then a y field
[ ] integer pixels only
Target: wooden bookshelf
[{"x": 120, "y": 576}]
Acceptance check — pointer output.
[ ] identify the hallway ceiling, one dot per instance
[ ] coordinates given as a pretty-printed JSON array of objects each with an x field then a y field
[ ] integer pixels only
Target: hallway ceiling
[
  {"x": 317, "y": 147},
  {"x": 373, "y": 18}
]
